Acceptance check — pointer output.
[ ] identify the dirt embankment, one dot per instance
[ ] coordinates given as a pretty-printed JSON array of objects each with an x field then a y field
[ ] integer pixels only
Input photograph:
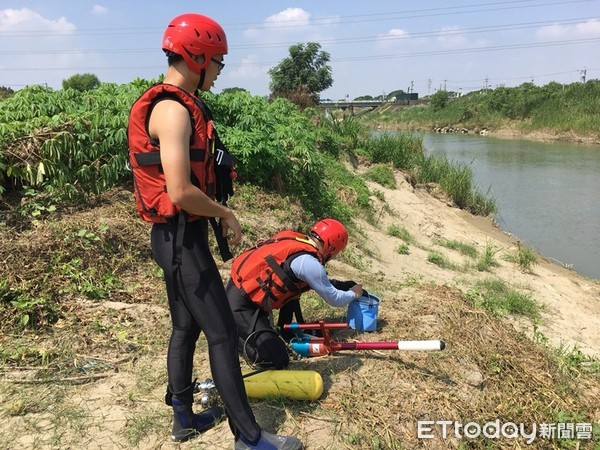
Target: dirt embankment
[{"x": 491, "y": 368}]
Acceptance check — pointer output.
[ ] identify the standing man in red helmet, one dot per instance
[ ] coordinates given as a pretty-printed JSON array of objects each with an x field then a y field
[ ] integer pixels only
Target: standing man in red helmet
[
  {"x": 272, "y": 275},
  {"x": 171, "y": 151}
]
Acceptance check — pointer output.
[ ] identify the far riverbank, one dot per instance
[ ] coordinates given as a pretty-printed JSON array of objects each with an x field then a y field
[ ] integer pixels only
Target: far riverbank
[{"x": 507, "y": 132}]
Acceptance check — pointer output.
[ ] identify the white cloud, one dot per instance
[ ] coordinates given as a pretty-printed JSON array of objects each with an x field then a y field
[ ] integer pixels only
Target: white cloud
[
  {"x": 249, "y": 68},
  {"x": 393, "y": 36},
  {"x": 99, "y": 10},
  {"x": 451, "y": 37},
  {"x": 289, "y": 18},
  {"x": 25, "y": 19},
  {"x": 583, "y": 30},
  {"x": 38, "y": 40},
  {"x": 287, "y": 21}
]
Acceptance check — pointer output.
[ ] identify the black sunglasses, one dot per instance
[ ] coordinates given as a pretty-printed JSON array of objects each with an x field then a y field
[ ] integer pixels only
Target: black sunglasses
[{"x": 221, "y": 64}]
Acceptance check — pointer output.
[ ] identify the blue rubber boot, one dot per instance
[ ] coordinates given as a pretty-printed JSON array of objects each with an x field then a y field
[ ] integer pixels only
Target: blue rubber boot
[
  {"x": 187, "y": 425},
  {"x": 268, "y": 441}
]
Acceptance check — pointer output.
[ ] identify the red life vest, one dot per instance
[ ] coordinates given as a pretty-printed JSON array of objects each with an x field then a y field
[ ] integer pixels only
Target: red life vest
[
  {"x": 263, "y": 271},
  {"x": 153, "y": 202}
]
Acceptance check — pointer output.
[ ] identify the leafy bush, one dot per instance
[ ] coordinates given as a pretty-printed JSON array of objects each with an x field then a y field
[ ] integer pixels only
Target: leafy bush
[
  {"x": 68, "y": 143},
  {"x": 403, "y": 150},
  {"x": 65, "y": 141},
  {"x": 276, "y": 148},
  {"x": 383, "y": 175}
]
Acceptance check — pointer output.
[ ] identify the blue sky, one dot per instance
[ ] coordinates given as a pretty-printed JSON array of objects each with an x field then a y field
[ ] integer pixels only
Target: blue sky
[{"x": 376, "y": 46}]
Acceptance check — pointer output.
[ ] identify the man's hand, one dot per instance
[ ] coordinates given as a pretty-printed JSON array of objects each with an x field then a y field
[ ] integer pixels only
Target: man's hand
[
  {"x": 358, "y": 290},
  {"x": 230, "y": 222}
]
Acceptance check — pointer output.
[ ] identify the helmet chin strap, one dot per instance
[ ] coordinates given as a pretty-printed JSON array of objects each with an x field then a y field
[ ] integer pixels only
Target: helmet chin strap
[{"x": 202, "y": 77}]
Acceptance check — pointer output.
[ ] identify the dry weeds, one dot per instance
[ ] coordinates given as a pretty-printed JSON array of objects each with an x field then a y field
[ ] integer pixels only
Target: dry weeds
[{"x": 94, "y": 376}]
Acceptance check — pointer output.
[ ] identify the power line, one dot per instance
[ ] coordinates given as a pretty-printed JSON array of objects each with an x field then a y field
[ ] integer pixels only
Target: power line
[
  {"x": 345, "y": 59},
  {"x": 360, "y": 18},
  {"x": 445, "y": 33}
]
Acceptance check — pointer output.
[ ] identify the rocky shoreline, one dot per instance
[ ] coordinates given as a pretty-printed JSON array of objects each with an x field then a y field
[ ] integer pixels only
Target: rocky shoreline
[{"x": 507, "y": 133}]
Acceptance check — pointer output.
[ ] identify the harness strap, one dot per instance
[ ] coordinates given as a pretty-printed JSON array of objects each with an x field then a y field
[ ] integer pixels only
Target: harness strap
[
  {"x": 266, "y": 302},
  {"x": 221, "y": 241},
  {"x": 282, "y": 274},
  {"x": 153, "y": 158}
]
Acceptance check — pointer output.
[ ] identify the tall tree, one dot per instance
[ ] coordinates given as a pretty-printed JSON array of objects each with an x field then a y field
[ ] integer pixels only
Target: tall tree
[
  {"x": 81, "y": 82},
  {"x": 5, "y": 92},
  {"x": 302, "y": 75}
]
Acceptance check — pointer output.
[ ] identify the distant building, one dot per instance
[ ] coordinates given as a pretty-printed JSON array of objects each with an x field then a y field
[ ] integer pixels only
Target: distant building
[{"x": 404, "y": 96}]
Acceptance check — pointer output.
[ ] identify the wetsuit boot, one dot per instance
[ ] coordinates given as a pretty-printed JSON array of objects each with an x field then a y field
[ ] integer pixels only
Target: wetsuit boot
[
  {"x": 187, "y": 424},
  {"x": 268, "y": 441}
]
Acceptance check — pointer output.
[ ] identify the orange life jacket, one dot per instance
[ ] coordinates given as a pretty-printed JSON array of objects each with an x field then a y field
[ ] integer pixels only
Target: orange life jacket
[
  {"x": 263, "y": 271},
  {"x": 153, "y": 202}
]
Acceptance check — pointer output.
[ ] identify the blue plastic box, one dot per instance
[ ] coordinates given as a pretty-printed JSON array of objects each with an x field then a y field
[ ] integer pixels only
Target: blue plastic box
[{"x": 362, "y": 313}]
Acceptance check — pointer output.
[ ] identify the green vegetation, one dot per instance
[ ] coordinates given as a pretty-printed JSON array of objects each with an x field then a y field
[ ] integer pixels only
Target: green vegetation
[
  {"x": 382, "y": 174},
  {"x": 83, "y": 268},
  {"x": 461, "y": 247},
  {"x": 495, "y": 296},
  {"x": 524, "y": 257},
  {"x": 400, "y": 232},
  {"x": 81, "y": 82},
  {"x": 487, "y": 260},
  {"x": 405, "y": 151},
  {"x": 555, "y": 107},
  {"x": 6, "y": 92},
  {"x": 403, "y": 249},
  {"x": 303, "y": 75}
]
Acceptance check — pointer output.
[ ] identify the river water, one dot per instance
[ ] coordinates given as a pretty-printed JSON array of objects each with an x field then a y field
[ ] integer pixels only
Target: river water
[{"x": 547, "y": 194}]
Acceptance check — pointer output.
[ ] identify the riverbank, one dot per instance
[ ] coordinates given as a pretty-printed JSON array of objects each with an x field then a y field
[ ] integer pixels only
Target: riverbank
[
  {"x": 506, "y": 132},
  {"x": 570, "y": 302},
  {"x": 113, "y": 347},
  {"x": 545, "y": 136}
]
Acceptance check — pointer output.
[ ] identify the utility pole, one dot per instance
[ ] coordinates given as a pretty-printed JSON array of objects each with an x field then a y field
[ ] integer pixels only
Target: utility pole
[
  {"x": 429, "y": 86},
  {"x": 445, "y": 84},
  {"x": 583, "y": 73}
]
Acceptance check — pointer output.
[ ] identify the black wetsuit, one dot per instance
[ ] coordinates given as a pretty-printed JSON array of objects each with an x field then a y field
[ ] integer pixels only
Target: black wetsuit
[{"x": 197, "y": 302}]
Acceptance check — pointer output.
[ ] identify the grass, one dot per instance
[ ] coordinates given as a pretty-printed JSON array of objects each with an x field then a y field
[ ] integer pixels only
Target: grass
[
  {"x": 403, "y": 249},
  {"x": 487, "y": 260},
  {"x": 405, "y": 151},
  {"x": 524, "y": 257},
  {"x": 441, "y": 261},
  {"x": 67, "y": 384},
  {"x": 462, "y": 247},
  {"x": 498, "y": 298},
  {"x": 401, "y": 233},
  {"x": 383, "y": 175}
]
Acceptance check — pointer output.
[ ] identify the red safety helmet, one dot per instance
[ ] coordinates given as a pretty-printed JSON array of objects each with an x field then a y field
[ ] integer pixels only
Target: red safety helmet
[
  {"x": 332, "y": 234},
  {"x": 194, "y": 34}
]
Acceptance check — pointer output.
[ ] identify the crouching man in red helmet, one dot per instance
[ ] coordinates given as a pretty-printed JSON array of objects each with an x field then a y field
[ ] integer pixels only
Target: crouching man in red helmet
[
  {"x": 272, "y": 275},
  {"x": 172, "y": 147}
]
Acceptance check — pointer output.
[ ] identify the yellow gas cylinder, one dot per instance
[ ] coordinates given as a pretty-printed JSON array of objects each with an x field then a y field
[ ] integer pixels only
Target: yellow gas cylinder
[{"x": 296, "y": 384}]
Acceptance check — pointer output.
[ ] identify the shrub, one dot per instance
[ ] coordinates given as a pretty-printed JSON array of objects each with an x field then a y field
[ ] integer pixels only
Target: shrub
[{"x": 383, "y": 175}]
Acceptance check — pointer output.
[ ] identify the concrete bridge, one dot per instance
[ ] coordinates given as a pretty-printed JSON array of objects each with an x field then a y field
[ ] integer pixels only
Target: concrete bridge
[
  {"x": 350, "y": 105},
  {"x": 371, "y": 104}
]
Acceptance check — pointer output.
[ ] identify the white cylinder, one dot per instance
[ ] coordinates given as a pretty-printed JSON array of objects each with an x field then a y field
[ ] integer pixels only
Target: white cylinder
[{"x": 421, "y": 345}]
